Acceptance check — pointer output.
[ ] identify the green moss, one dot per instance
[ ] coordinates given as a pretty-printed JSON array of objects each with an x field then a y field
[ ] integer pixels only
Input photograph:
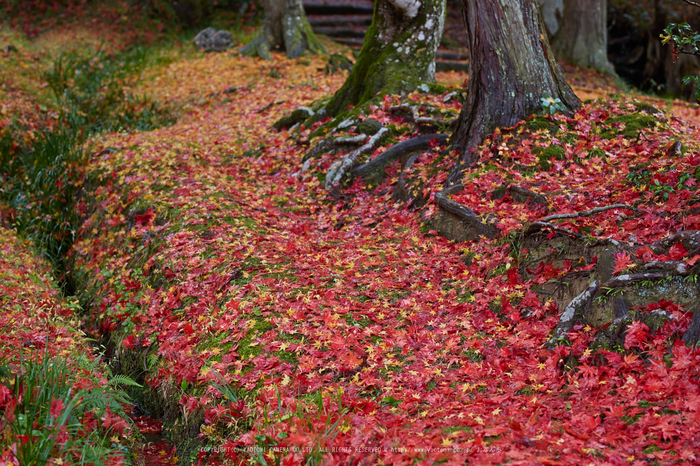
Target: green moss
[
  {"x": 651, "y": 449},
  {"x": 634, "y": 123},
  {"x": 542, "y": 123},
  {"x": 398, "y": 130},
  {"x": 568, "y": 138},
  {"x": 473, "y": 355},
  {"x": 452, "y": 429},
  {"x": 596, "y": 152},
  {"x": 432, "y": 88},
  {"x": 646, "y": 108},
  {"x": 287, "y": 356},
  {"x": 553, "y": 152},
  {"x": 246, "y": 347},
  {"x": 369, "y": 126},
  {"x": 338, "y": 62}
]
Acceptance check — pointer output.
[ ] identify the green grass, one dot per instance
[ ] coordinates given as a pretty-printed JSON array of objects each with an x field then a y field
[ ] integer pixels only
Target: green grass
[{"x": 48, "y": 416}]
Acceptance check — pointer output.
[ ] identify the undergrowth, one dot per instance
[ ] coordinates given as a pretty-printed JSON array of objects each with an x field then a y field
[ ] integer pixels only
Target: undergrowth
[
  {"x": 49, "y": 419},
  {"x": 41, "y": 170}
]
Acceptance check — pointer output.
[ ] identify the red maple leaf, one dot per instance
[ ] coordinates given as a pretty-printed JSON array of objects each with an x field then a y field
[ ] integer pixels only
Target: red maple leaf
[
  {"x": 110, "y": 421},
  {"x": 637, "y": 333},
  {"x": 677, "y": 251},
  {"x": 145, "y": 219},
  {"x": 622, "y": 262},
  {"x": 691, "y": 262}
]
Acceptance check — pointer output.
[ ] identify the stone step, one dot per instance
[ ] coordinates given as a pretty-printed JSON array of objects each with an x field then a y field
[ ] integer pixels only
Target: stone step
[
  {"x": 337, "y": 32},
  {"x": 354, "y": 42},
  {"x": 447, "y": 65},
  {"x": 338, "y": 7},
  {"x": 340, "y": 20}
]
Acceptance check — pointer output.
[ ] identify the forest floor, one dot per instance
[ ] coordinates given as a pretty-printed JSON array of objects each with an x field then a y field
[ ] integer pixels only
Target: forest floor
[{"x": 270, "y": 321}]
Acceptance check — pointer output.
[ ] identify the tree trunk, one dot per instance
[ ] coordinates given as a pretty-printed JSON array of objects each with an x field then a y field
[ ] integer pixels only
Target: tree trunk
[
  {"x": 398, "y": 52},
  {"x": 582, "y": 37},
  {"x": 285, "y": 27},
  {"x": 552, "y": 12},
  {"x": 513, "y": 72}
]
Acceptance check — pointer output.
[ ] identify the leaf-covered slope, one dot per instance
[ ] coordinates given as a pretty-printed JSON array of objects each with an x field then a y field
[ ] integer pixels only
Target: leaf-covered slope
[
  {"x": 343, "y": 331},
  {"x": 56, "y": 403}
]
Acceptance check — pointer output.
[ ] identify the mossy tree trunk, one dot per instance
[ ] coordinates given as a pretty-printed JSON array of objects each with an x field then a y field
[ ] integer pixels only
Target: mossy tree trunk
[
  {"x": 398, "y": 52},
  {"x": 284, "y": 27},
  {"x": 582, "y": 36},
  {"x": 512, "y": 72}
]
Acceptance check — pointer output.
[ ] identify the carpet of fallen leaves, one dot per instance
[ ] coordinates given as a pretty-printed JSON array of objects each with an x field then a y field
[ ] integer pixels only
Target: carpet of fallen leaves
[{"x": 343, "y": 330}]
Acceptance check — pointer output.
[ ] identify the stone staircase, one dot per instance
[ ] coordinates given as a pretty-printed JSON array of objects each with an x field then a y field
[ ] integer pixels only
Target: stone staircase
[{"x": 346, "y": 22}]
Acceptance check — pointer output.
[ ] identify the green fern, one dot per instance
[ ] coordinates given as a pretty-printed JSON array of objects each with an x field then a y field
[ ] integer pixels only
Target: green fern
[{"x": 121, "y": 379}]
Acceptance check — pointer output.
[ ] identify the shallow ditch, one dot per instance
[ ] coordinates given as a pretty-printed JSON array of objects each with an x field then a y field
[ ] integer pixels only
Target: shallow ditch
[{"x": 41, "y": 183}]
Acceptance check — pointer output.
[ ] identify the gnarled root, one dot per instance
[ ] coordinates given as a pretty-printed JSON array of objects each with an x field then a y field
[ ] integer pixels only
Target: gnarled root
[
  {"x": 342, "y": 167},
  {"x": 577, "y": 307}
]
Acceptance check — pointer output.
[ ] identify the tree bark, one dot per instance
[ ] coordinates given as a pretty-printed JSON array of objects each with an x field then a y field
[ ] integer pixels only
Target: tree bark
[
  {"x": 513, "y": 72},
  {"x": 285, "y": 27},
  {"x": 582, "y": 36},
  {"x": 398, "y": 52}
]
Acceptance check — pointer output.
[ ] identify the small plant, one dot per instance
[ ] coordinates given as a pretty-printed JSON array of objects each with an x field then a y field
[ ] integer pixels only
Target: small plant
[
  {"x": 551, "y": 105},
  {"x": 684, "y": 39}
]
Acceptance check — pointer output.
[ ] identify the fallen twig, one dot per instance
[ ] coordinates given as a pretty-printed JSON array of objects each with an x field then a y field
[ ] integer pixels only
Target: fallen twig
[
  {"x": 588, "y": 213},
  {"x": 270, "y": 105}
]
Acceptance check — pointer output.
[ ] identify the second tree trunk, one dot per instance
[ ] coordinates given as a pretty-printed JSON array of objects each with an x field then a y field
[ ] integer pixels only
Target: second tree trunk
[
  {"x": 582, "y": 37},
  {"x": 513, "y": 72}
]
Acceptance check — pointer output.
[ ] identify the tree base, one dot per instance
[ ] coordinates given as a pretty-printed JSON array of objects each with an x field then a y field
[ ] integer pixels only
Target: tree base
[{"x": 284, "y": 27}]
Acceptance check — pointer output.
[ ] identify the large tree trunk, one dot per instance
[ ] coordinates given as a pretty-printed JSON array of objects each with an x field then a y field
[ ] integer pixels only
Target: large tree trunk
[
  {"x": 398, "y": 52},
  {"x": 285, "y": 27},
  {"x": 552, "y": 12},
  {"x": 513, "y": 72},
  {"x": 582, "y": 36}
]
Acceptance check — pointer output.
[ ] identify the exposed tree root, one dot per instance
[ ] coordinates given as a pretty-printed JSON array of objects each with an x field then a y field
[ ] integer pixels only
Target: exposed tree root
[
  {"x": 653, "y": 271},
  {"x": 577, "y": 306},
  {"x": 398, "y": 151},
  {"x": 689, "y": 238},
  {"x": 341, "y": 168},
  {"x": 468, "y": 217},
  {"x": 298, "y": 116},
  {"x": 414, "y": 112},
  {"x": 691, "y": 337},
  {"x": 523, "y": 195}
]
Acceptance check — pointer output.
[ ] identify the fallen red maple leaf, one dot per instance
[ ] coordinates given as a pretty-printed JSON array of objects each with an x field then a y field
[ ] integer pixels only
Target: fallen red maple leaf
[{"x": 622, "y": 262}]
